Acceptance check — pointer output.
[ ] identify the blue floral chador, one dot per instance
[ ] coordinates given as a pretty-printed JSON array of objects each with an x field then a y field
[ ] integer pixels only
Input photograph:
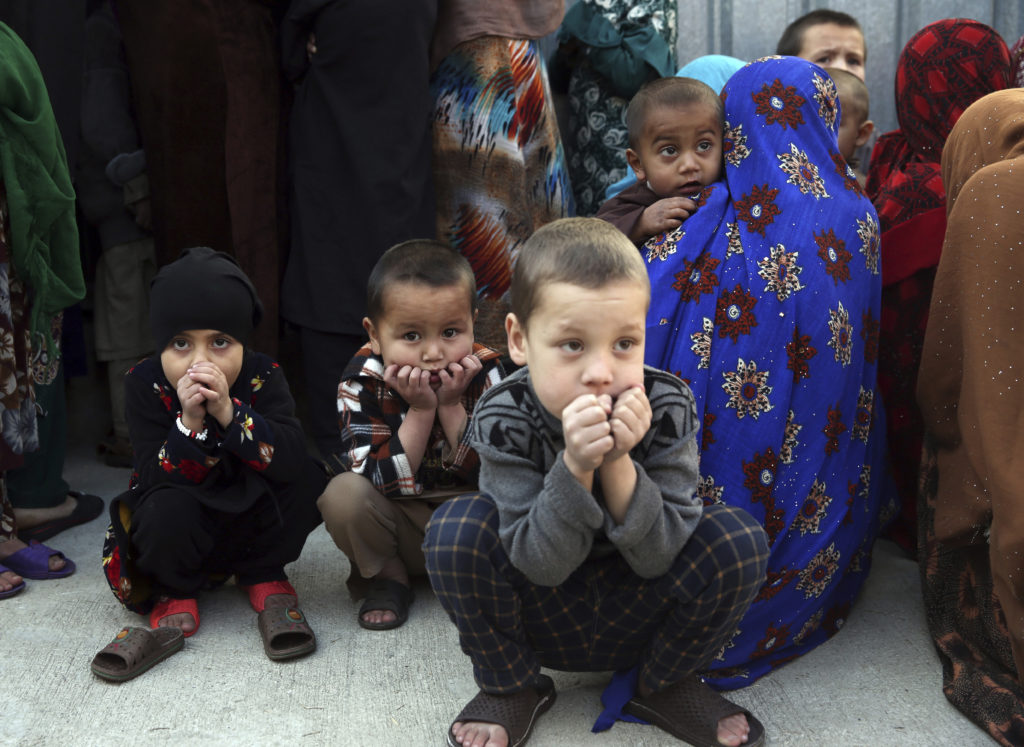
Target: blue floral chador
[{"x": 766, "y": 301}]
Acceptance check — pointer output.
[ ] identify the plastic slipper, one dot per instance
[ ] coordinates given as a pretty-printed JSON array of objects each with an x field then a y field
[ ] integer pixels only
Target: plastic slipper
[
  {"x": 258, "y": 593},
  {"x": 134, "y": 650},
  {"x": 167, "y": 606},
  {"x": 386, "y": 594},
  {"x": 87, "y": 508},
  {"x": 690, "y": 710},
  {"x": 14, "y": 589},
  {"x": 285, "y": 633},
  {"x": 516, "y": 712},
  {"x": 34, "y": 562}
]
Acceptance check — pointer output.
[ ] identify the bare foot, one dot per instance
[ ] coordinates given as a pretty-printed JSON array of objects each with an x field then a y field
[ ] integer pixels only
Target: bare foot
[
  {"x": 476, "y": 734},
  {"x": 8, "y": 580},
  {"x": 31, "y": 517},
  {"x": 393, "y": 570},
  {"x": 12, "y": 546},
  {"x": 183, "y": 620},
  {"x": 733, "y": 730}
]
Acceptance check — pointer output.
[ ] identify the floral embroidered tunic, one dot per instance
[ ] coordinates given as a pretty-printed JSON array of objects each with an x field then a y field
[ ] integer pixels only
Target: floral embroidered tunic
[{"x": 766, "y": 301}]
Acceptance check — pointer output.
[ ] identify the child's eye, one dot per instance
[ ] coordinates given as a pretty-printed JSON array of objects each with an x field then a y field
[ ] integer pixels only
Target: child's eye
[
  {"x": 623, "y": 346},
  {"x": 411, "y": 336},
  {"x": 572, "y": 346},
  {"x": 221, "y": 342},
  {"x": 668, "y": 150},
  {"x": 704, "y": 146},
  {"x": 823, "y": 60},
  {"x": 179, "y": 343},
  {"x": 450, "y": 333}
]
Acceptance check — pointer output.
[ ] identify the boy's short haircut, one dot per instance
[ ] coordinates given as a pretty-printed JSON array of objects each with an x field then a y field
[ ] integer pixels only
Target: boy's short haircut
[
  {"x": 668, "y": 92},
  {"x": 423, "y": 261},
  {"x": 853, "y": 93},
  {"x": 587, "y": 252},
  {"x": 792, "y": 39}
]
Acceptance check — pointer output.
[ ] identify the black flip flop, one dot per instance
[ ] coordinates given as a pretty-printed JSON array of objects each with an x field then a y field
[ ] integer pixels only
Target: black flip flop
[
  {"x": 390, "y": 596},
  {"x": 87, "y": 508}
]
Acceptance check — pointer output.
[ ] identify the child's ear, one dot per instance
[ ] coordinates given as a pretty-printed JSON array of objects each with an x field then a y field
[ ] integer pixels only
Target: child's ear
[
  {"x": 634, "y": 163},
  {"x": 372, "y": 332},
  {"x": 516, "y": 339},
  {"x": 864, "y": 132}
]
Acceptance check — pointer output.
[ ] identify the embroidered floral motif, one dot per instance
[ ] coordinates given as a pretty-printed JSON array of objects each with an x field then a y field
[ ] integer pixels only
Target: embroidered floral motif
[
  {"x": 734, "y": 145},
  {"x": 832, "y": 251},
  {"x": 833, "y": 429},
  {"x": 826, "y": 96},
  {"x": 748, "y": 389},
  {"x": 266, "y": 452},
  {"x": 707, "y": 436},
  {"x": 708, "y": 492},
  {"x": 842, "y": 334},
  {"x": 256, "y": 383},
  {"x": 732, "y": 233},
  {"x": 191, "y": 470},
  {"x": 779, "y": 104},
  {"x": 802, "y": 172},
  {"x": 759, "y": 475},
  {"x": 733, "y": 315},
  {"x": 758, "y": 209},
  {"x": 165, "y": 462},
  {"x": 697, "y": 278},
  {"x": 781, "y": 272},
  {"x": 789, "y": 441},
  {"x": 775, "y": 581},
  {"x": 659, "y": 247},
  {"x": 815, "y": 577},
  {"x": 812, "y": 624},
  {"x": 849, "y": 175},
  {"x": 774, "y": 639},
  {"x": 162, "y": 393},
  {"x": 867, "y": 230},
  {"x": 702, "y": 343},
  {"x": 800, "y": 350},
  {"x": 808, "y": 519},
  {"x": 862, "y": 417}
]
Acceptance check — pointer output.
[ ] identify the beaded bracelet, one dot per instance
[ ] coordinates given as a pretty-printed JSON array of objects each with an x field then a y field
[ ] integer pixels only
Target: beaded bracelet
[{"x": 189, "y": 433}]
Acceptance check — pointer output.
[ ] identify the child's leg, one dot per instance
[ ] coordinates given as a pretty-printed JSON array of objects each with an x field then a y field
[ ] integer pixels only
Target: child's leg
[
  {"x": 380, "y": 536},
  {"x": 173, "y": 534},
  {"x": 707, "y": 591},
  {"x": 260, "y": 542}
]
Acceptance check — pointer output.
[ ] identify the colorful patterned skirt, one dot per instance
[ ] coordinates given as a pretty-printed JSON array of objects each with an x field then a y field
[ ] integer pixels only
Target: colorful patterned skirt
[{"x": 499, "y": 168}]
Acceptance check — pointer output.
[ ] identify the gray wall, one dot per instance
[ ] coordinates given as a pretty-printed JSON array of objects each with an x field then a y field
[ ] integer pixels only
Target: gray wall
[{"x": 750, "y": 28}]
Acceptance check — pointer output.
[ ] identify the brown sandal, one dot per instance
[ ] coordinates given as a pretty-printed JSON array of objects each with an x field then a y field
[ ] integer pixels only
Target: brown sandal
[
  {"x": 134, "y": 650},
  {"x": 515, "y": 712},
  {"x": 285, "y": 633},
  {"x": 690, "y": 710}
]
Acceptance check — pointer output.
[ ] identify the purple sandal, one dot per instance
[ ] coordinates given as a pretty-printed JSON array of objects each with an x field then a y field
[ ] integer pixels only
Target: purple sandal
[{"x": 34, "y": 562}]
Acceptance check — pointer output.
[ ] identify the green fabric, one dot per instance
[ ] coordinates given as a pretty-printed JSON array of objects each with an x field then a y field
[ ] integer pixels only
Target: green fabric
[
  {"x": 627, "y": 57},
  {"x": 43, "y": 235}
]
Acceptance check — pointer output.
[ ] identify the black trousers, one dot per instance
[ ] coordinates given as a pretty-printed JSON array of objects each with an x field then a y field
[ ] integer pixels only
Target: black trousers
[{"x": 179, "y": 543}]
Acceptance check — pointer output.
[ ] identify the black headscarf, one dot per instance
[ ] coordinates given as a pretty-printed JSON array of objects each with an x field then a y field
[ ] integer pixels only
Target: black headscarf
[{"x": 202, "y": 289}]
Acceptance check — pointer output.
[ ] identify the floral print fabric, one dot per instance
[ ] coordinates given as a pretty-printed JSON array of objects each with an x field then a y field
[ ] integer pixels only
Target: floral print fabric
[{"x": 766, "y": 301}]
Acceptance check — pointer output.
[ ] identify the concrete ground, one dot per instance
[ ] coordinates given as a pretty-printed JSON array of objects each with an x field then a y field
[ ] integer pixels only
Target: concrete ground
[{"x": 876, "y": 683}]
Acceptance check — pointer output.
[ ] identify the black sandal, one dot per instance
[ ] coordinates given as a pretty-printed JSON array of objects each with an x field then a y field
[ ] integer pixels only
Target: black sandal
[
  {"x": 389, "y": 595},
  {"x": 515, "y": 712},
  {"x": 690, "y": 710}
]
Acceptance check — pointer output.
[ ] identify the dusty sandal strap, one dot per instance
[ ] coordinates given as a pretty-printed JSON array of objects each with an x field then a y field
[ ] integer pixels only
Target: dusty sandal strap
[
  {"x": 134, "y": 650},
  {"x": 285, "y": 633},
  {"x": 515, "y": 712},
  {"x": 690, "y": 710}
]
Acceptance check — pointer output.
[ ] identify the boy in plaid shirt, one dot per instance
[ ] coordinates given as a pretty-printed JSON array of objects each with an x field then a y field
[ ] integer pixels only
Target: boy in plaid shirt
[
  {"x": 404, "y": 402},
  {"x": 588, "y": 549}
]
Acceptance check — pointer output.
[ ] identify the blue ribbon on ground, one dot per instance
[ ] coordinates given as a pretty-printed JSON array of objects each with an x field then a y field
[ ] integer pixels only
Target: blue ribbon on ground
[{"x": 614, "y": 698}]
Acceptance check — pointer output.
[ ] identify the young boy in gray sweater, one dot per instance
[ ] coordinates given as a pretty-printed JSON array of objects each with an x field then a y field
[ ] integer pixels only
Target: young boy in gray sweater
[{"x": 587, "y": 548}]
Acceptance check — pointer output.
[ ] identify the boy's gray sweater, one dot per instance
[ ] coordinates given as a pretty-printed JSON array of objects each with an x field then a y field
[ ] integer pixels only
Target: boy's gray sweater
[{"x": 549, "y": 523}]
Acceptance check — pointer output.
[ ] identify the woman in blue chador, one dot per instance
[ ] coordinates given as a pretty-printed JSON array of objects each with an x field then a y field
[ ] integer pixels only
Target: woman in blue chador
[{"x": 766, "y": 301}]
